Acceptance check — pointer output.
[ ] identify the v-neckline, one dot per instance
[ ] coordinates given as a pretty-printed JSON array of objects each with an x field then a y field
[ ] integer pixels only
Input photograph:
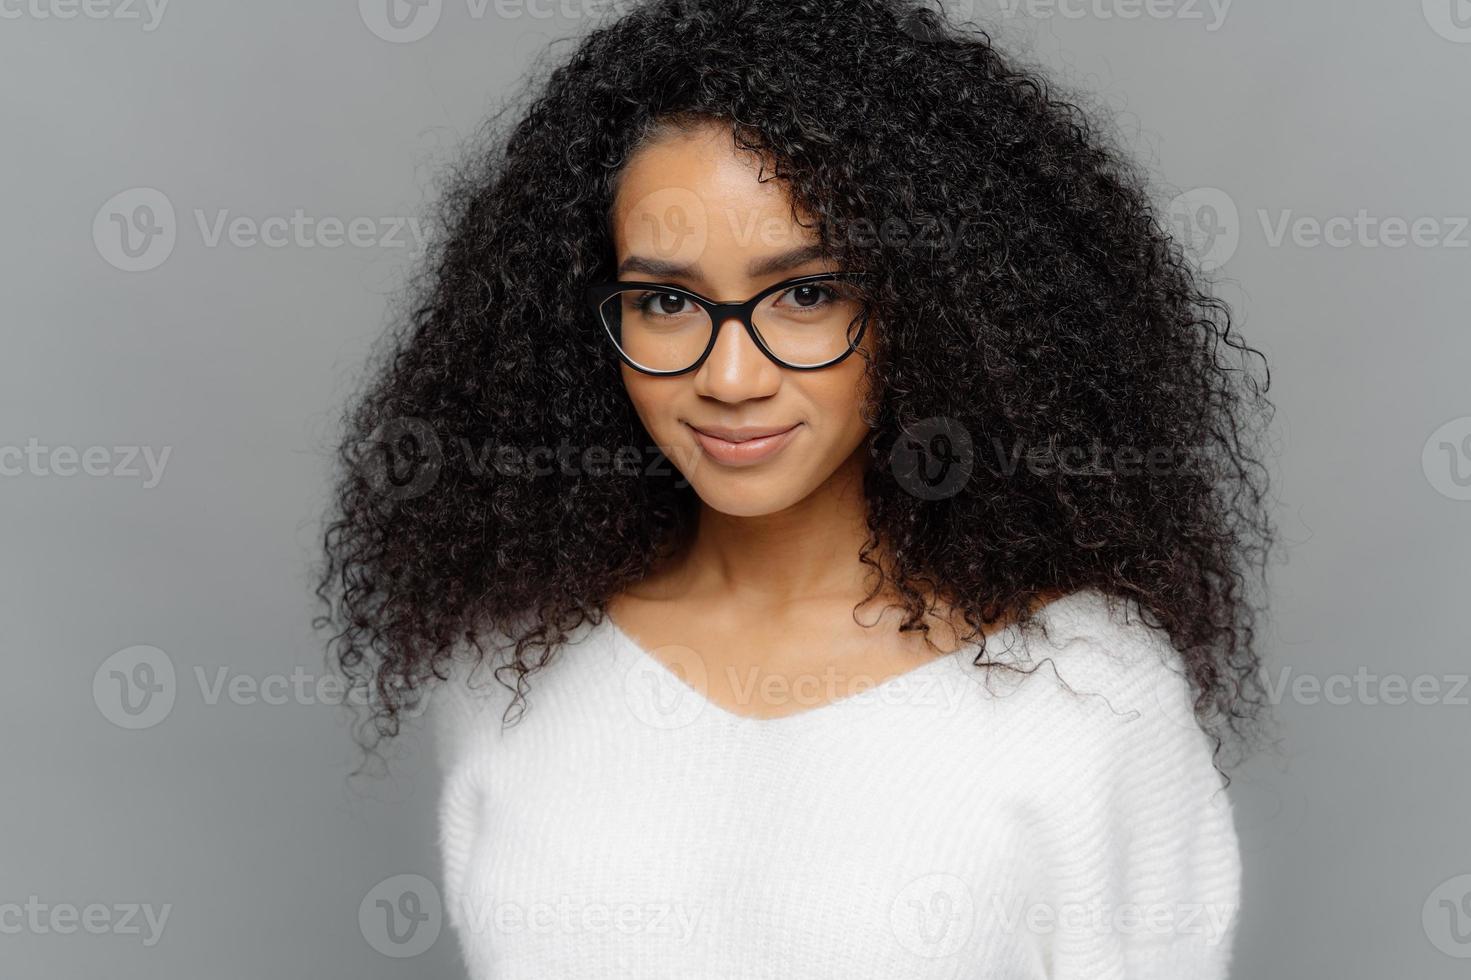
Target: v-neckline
[{"x": 641, "y": 659}]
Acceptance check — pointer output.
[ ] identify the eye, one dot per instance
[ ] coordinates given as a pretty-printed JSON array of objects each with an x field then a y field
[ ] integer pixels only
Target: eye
[
  {"x": 663, "y": 304},
  {"x": 809, "y": 296}
]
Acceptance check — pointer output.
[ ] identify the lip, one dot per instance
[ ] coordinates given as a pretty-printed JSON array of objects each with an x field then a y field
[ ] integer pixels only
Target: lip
[{"x": 743, "y": 447}]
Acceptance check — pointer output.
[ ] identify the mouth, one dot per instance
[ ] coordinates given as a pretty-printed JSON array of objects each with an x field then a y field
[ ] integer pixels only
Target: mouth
[
  {"x": 741, "y": 435},
  {"x": 743, "y": 447}
]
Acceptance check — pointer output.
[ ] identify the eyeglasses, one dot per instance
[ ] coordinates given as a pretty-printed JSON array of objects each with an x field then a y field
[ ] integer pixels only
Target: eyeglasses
[{"x": 805, "y": 323}]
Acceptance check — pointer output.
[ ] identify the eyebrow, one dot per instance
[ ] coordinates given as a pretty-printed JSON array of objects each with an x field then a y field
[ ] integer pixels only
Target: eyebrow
[{"x": 780, "y": 262}]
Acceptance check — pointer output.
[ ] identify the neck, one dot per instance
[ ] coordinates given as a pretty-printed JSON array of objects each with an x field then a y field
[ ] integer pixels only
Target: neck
[{"x": 808, "y": 550}]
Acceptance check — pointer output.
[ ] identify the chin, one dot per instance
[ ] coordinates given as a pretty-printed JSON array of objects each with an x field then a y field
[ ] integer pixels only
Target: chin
[{"x": 737, "y": 496}]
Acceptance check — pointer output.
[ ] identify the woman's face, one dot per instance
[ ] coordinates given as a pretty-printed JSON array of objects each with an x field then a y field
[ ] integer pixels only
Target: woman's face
[{"x": 690, "y": 212}]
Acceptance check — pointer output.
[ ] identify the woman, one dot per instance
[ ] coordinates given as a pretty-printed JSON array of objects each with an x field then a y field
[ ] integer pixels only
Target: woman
[{"x": 792, "y": 382}]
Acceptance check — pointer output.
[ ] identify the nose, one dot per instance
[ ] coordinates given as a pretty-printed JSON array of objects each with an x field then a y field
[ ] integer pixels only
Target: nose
[{"x": 736, "y": 369}]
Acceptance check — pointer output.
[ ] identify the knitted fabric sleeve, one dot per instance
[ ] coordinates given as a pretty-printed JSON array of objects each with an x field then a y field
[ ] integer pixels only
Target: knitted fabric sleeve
[
  {"x": 1143, "y": 868},
  {"x": 465, "y": 721}
]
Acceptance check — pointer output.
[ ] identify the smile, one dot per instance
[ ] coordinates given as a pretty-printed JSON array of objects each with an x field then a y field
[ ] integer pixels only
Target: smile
[{"x": 734, "y": 447}]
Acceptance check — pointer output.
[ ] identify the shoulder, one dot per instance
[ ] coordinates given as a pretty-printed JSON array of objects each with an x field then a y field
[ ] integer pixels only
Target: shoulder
[
  {"x": 469, "y": 699},
  {"x": 1121, "y": 750},
  {"x": 1097, "y": 689},
  {"x": 473, "y": 703},
  {"x": 1101, "y": 646},
  {"x": 1129, "y": 807}
]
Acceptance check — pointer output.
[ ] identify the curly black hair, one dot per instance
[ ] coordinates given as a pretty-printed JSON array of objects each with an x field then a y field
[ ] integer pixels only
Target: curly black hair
[{"x": 1059, "y": 318}]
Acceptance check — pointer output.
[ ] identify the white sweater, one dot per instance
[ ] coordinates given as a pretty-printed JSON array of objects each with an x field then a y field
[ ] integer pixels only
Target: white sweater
[{"x": 936, "y": 825}]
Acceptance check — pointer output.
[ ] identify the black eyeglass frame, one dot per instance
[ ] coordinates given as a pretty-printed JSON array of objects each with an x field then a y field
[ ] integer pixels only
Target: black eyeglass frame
[{"x": 599, "y": 293}]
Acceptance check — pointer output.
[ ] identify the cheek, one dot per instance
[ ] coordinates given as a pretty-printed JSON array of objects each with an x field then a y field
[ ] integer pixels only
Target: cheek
[
  {"x": 838, "y": 397},
  {"x": 650, "y": 399}
]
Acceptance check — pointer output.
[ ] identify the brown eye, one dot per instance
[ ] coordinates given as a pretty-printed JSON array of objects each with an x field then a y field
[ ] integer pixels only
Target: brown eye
[
  {"x": 805, "y": 297},
  {"x": 663, "y": 304}
]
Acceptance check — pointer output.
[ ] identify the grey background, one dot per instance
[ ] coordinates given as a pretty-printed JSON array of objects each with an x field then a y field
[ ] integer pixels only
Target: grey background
[{"x": 239, "y": 815}]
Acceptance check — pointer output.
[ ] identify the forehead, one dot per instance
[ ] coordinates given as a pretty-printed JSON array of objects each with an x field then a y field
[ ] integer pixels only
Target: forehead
[{"x": 692, "y": 194}]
